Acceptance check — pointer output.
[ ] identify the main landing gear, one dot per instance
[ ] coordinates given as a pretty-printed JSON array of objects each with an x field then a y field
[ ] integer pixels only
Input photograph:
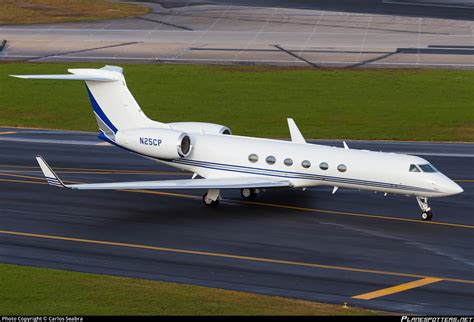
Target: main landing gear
[
  {"x": 211, "y": 197},
  {"x": 426, "y": 213},
  {"x": 249, "y": 193}
]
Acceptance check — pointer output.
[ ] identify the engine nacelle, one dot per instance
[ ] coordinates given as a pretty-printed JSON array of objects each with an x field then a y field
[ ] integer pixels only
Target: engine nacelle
[
  {"x": 201, "y": 127},
  {"x": 160, "y": 143}
]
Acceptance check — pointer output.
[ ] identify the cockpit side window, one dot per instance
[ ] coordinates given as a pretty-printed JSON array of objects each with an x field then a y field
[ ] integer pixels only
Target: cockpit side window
[
  {"x": 414, "y": 168},
  {"x": 427, "y": 168}
]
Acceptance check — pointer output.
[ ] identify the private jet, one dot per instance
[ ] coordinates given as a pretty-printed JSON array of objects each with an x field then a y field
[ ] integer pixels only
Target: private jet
[{"x": 226, "y": 161}]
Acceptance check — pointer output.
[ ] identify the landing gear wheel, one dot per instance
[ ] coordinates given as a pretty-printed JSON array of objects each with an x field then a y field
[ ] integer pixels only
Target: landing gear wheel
[
  {"x": 248, "y": 194},
  {"x": 426, "y": 215},
  {"x": 208, "y": 201}
]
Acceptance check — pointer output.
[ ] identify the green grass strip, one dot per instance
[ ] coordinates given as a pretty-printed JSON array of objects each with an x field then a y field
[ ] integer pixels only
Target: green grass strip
[
  {"x": 40, "y": 291},
  {"x": 430, "y": 105},
  {"x": 46, "y": 11}
]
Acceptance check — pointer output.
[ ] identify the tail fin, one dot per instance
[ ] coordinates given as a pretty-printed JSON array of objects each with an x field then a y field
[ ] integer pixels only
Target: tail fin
[{"x": 113, "y": 104}]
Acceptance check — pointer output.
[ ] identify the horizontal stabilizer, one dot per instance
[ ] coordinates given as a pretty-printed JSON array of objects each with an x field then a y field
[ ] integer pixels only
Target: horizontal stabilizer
[
  {"x": 104, "y": 74},
  {"x": 84, "y": 77},
  {"x": 230, "y": 183}
]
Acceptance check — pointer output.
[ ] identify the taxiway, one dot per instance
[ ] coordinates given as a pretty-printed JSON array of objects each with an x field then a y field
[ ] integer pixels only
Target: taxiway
[{"x": 303, "y": 244}]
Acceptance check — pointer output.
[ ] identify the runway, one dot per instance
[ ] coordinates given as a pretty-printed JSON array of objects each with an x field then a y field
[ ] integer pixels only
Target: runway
[
  {"x": 346, "y": 33},
  {"x": 303, "y": 244}
]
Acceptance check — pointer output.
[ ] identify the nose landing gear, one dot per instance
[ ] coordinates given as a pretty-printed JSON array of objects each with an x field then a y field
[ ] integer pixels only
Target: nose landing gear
[{"x": 426, "y": 213}]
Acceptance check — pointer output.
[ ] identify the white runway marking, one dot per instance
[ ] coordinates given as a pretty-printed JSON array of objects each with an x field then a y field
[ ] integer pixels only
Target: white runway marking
[
  {"x": 223, "y": 60},
  {"x": 427, "y": 4},
  {"x": 343, "y": 33}
]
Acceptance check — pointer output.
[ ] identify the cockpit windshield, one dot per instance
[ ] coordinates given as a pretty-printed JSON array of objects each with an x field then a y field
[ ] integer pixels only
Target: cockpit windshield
[
  {"x": 427, "y": 168},
  {"x": 422, "y": 168}
]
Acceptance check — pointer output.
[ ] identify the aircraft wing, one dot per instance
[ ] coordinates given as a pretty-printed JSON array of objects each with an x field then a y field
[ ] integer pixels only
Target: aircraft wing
[{"x": 229, "y": 183}]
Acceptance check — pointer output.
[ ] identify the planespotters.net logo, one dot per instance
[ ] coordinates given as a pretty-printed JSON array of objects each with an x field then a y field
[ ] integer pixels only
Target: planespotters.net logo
[{"x": 437, "y": 319}]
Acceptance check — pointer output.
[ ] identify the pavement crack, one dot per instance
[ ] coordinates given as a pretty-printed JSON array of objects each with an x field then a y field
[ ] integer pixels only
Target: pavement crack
[
  {"x": 166, "y": 23},
  {"x": 368, "y": 61},
  {"x": 296, "y": 56},
  {"x": 82, "y": 50},
  {"x": 203, "y": 48}
]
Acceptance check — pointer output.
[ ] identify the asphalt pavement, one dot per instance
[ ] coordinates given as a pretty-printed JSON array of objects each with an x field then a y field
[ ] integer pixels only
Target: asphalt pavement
[
  {"x": 316, "y": 33},
  {"x": 303, "y": 244}
]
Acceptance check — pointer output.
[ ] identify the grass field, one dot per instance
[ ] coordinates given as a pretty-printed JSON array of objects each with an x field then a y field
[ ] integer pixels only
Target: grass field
[
  {"x": 345, "y": 104},
  {"x": 43, "y": 11},
  {"x": 39, "y": 291}
]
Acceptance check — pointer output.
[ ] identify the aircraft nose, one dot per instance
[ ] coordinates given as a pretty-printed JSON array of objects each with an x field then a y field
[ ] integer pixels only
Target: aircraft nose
[
  {"x": 447, "y": 187},
  {"x": 454, "y": 188},
  {"x": 450, "y": 188}
]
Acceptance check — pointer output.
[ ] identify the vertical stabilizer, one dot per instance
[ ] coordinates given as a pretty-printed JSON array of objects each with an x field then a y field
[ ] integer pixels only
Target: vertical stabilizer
[{"x": 114, "y": 106}]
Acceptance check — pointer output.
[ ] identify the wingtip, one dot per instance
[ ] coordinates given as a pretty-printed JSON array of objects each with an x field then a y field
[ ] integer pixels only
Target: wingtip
[
  {"x": 49, "y": 174},
  {"x": 22, "y": 76}
]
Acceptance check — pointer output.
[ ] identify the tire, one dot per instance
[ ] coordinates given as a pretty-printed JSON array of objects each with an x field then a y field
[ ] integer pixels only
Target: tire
[
  {"x": 426, "y": 216},
  {"x": 209, "y": 202},
  {"x": 430, "y": 215},
  {"x": 248, "y": 194}
]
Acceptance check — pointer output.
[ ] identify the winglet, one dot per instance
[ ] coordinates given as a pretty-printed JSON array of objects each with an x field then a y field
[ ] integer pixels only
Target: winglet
[
  {"x": 52, "y": 178},
  {"x": 345, "y": 145},
  {"x": 295, "y": 133}
]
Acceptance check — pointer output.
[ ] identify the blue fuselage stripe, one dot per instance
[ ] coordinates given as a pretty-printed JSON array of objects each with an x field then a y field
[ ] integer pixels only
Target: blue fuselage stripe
[
  {"x": 295, "y": 175},
  {"x": 292, "y": 173},
  {"x": 99, "y": 112}
]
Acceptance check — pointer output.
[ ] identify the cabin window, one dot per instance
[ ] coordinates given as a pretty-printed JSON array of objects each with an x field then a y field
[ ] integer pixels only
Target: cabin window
[
  {"x": 414, "y": 168},
  {"x": 306, "y": 164},
  {"x": 253, "y": 158},
  {"x": 270, "y": 159},
  {"x": 342, "y": 168},
  {"x": 288, "y": 162},
  {"x": 324, "y": 166},
  {"x": 427, "y": 168}
]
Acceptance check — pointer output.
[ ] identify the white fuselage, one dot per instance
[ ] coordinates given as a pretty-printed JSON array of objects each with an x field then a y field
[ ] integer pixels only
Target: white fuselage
[
  {"x": 227, "y": 156},
  {"x": 236, "y": 162}
]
